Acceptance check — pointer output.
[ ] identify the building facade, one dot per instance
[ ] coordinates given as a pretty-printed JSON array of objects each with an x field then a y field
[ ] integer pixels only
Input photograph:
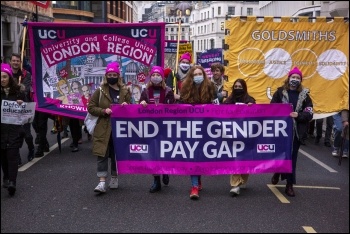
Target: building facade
[
  {"x": 207, "y": 22},
  {"x": 14, "y": 12},
  {"x": 304, "y": 8}
]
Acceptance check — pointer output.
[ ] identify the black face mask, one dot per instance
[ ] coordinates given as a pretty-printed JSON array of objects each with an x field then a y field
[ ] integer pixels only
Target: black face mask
[
  {"x": 112, "y": 81},
  {"x": 238, "y": 92}
]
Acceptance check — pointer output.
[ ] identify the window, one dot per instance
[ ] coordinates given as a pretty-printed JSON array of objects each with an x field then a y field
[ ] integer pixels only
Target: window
[
  {"x": 183, "y": 29},
  {"x": 212, "y": 43},
  {"x": 6, "y": 33},
  {"x": 249, "y": 11},
  {"x": 212, "y": 12},
  {"x": 219, "y": 10},
  {"x": 166, "y": 29},
  {"x": 231, "y": 11},
  {"x": 212, "y": 27}
]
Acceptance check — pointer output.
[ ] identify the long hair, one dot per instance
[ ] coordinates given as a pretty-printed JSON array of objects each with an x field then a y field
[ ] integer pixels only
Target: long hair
[
  {"x": 245, "y": 96},
  {"x": 14, "y": 87},
  {"x": 193, "y": 95},
  {"x": 286, "y": 85}
]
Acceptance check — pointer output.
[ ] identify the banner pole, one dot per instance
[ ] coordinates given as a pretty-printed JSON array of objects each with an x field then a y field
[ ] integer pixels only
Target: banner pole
[
  {"x": 24, "y": 32},
  {"x": 177, "y": 54}
]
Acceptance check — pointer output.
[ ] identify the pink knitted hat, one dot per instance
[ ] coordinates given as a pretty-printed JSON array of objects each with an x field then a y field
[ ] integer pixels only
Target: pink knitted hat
[
  {"x": 158, "y": 70},
  {"x": 6, "y": 68},
  {"x": 295, "y": 70},
  {"x": 113, "y": 67},
  {"x": 186, "y": 55}
]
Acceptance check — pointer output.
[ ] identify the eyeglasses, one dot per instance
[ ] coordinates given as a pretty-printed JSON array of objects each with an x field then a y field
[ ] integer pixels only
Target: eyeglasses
[{"x": 112, "y": 75}]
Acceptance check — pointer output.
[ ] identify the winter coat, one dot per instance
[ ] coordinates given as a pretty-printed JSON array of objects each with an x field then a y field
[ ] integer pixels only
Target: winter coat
[
  {"x": 12, "y": 136},
  {"x": 304, "y": 108},
  {"x": 169, "y": 96},
  {"x": 103, "y": 129},
  {"x": 26, "y": 80}
]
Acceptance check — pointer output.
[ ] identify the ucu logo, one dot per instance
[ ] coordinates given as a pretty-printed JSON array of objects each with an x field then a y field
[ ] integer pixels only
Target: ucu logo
[
  {"x": 265, "y": 148},
  {"x": 52, "y": 34},
  {"x": 136, "y": 33},
  {"x": 136, "y": 148}
]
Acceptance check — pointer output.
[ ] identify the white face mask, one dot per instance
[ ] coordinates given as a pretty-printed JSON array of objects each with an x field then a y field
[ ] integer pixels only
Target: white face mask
[
  {"x": 184, "y": 66},
  {"x": 156, "y": 79}
]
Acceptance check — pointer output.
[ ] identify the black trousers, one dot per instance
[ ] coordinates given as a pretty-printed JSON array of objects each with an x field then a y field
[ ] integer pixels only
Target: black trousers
[
  {"x": 9, "y": 163},
  {"x": 75, "y": 129},
  {"x": 28, "y": 135},
  {"x": 40, "y": 127}
]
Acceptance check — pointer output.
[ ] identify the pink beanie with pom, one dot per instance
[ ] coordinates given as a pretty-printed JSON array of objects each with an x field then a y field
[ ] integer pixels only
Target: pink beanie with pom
[
  {"x": 6, "y": 68},
  {"x": 295, "y": 70},
  {"x": 158, "y": 70},
  {"x": 187, "y": 56},
  {"x": 113, "y": 67}
]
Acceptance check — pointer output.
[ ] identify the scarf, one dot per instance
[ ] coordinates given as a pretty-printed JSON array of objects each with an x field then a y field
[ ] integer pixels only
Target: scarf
[{"x": 151, "y": 94}]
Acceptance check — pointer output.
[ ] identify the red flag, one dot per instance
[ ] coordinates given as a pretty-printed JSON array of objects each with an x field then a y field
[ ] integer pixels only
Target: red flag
[{"x": 43, "y": 4}]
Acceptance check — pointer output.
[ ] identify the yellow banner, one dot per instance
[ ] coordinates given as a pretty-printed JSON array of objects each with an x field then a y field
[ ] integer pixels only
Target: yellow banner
[
  {"x": 262, "y": 53},
  {"x": 185, "y": 47}
]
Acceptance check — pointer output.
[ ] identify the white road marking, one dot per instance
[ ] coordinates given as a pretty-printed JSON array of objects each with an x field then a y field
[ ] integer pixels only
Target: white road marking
[
  {"x": 31, "y": 163},
  {"x": 309, "y": 229},
  {"x": 318, "y": 161}
]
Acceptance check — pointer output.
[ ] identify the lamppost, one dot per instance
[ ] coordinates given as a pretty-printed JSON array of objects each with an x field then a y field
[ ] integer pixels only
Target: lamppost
[{"x": 182, "y": 9}]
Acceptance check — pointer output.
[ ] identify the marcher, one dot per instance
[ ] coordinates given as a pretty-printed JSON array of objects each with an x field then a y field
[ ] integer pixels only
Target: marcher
[
  {"x": 218, "y": 80},
  {"x": 341, "y": 120},
  {"x": 293, "y": 92},
  {"x": 197, "y": 89},
  {"x": 12, "y": 136},
  {"x": 328, "y": 133},
  {"x": 157, "y": 92},
  {"x": 23, "y": 77},
  {"x": 175, "y": 83},
  {"x": 239, "y": 95},
  {"x": 113, "y": 92}
]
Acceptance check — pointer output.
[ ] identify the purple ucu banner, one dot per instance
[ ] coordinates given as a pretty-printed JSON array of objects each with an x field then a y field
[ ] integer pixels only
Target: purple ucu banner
[{"x": 202, "y": 139}]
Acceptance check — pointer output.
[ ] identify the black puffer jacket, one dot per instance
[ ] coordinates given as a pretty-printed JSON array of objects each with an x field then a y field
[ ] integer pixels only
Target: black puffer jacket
[{"x": 12, "y": 136}]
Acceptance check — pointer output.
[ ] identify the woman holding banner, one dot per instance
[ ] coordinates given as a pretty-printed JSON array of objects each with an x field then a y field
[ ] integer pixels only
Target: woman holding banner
[
  {"x": 157, "y": 92},
  {"x": 238, "y": 96},
  {"x": 294, "y": 93},
  {"x": 113, "y": 91},
  {"x": 197, "y": 89},
  {"x": 12, "y": 136}
]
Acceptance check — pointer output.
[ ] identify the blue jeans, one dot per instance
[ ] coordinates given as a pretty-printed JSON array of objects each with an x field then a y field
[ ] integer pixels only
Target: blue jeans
[
  {"x": 338, "y": 128},
  {"x": 194, "y": 180}
]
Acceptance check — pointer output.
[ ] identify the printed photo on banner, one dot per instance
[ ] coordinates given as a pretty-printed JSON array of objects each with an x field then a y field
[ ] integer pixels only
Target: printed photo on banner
[
  {"x": 203, "y": 139},
  {"x": 71, "y": 57}
]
